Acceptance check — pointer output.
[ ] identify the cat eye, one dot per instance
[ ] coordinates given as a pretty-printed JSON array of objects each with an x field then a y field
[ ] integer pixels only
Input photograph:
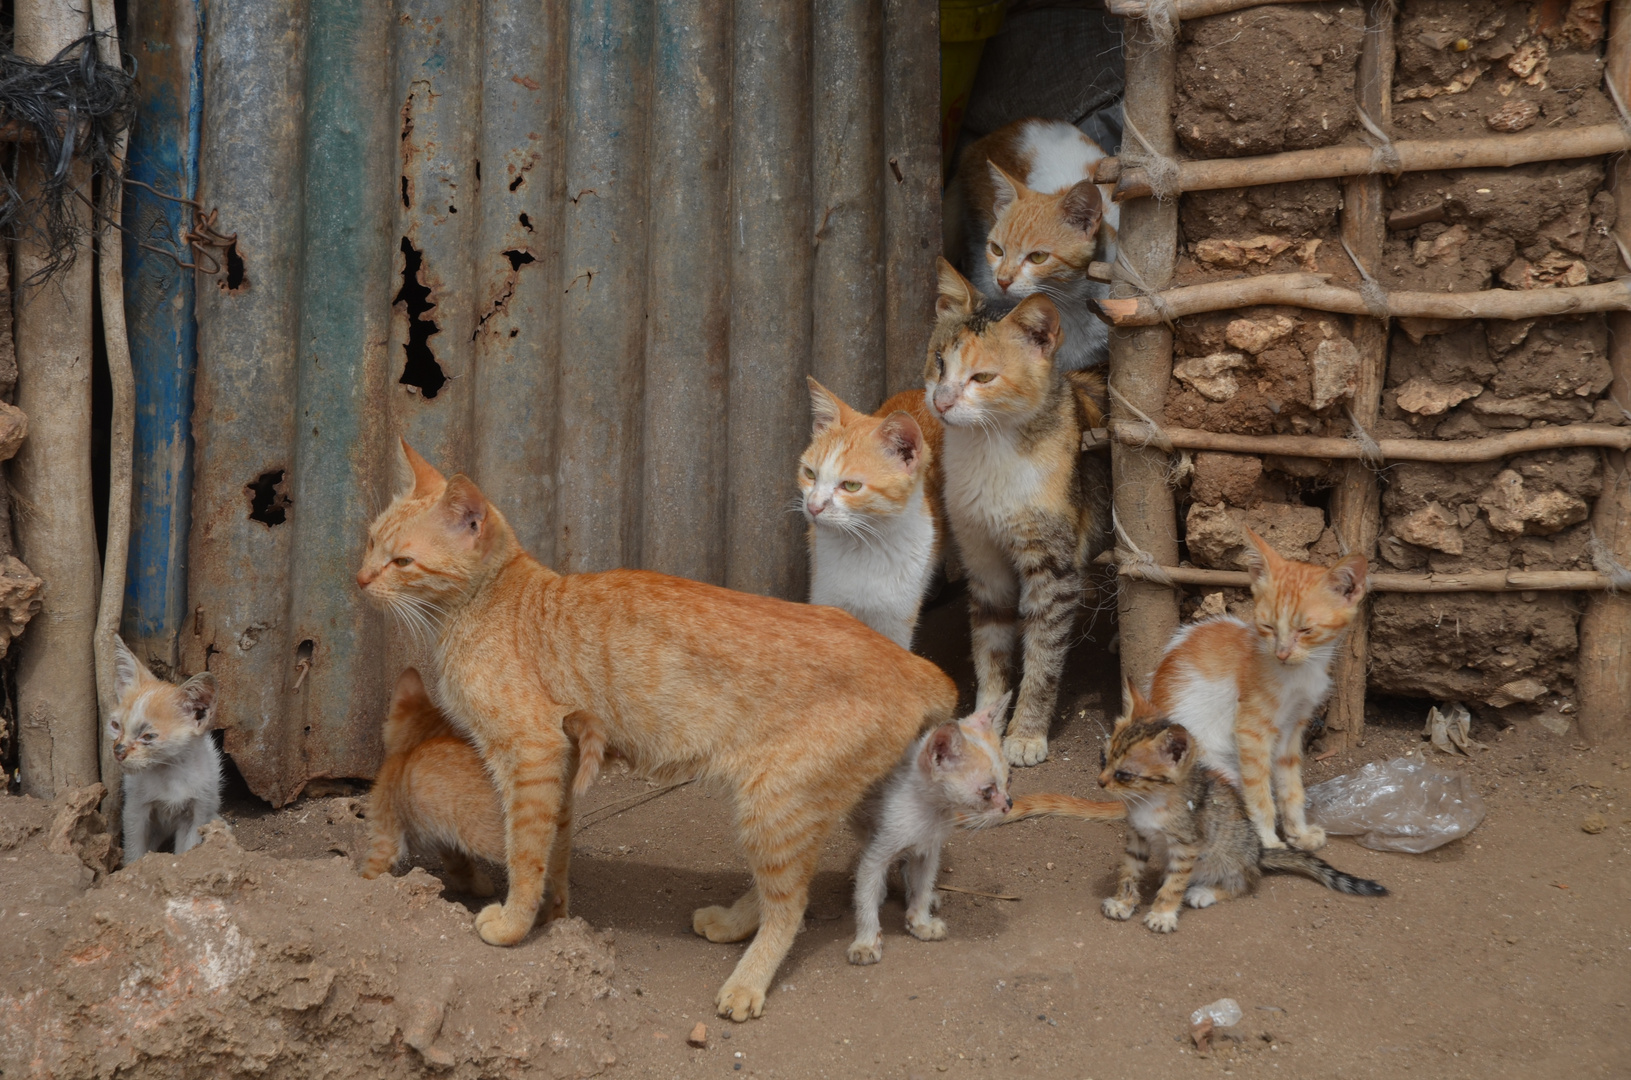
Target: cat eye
[
  {"x": 809, "y": 474},
  {"x": 146, "y": 738},
  {"x": 997, "y": 251},
  {"x": 1038, "y": 256},
  {"x": 985, "y": 376},
  {"x": 852, "y": 485},
  {"x": 1103, "y": 759},
  {"x": 401, "y": 560},
  {"x": 1124, "y": 777},
  {"x": 940, "y": 361}
]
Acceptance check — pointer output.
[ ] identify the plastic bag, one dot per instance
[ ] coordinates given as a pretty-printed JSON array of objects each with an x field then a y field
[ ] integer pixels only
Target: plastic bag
[
  {"x": 1224, "y": 1012},
  {"x": 1398, "y": 805}
]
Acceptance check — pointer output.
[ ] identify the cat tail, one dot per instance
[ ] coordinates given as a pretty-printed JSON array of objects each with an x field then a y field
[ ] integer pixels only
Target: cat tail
[
  {"x": 1310, "y": 866},
  {"x": 1088, "y": 389},
  {"x": 1048, "y": 805},
  {"x": 591, "y": 742},
  {"x": 413, "y": 718}
]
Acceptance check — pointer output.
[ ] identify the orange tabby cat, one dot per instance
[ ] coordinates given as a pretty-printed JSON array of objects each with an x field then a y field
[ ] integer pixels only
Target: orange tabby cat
[
  {"x": 870, "y": 489},
  {"x": 1247, "y": 692},
  {"x": 794, "y": 710},
  {"x": 433, "y": 794}
]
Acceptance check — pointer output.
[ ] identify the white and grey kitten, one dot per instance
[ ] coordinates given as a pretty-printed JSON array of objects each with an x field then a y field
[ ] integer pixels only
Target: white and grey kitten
[
  {"x": 172, "y": 771},
  {"x": 955, "y": 771}
]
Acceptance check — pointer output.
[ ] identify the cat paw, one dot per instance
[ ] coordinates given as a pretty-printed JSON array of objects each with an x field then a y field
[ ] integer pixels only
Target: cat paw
[
  {"x": 1117, "y": 908},
  {"x": 1272, "y": 843},
  {"x": 740, "y": 1002},
  {"x": 1199, "y": 896},
  {"x": 718, "y": 925},
  {"x": 927, "y": 929},
  {"x": 1162, "y": 922},
  {"x": 498, "y": 925},
  {"x": 1025, "y": 750},
  {"x": 1311, "y": 838},
  {"x": 866, "y": 952}
]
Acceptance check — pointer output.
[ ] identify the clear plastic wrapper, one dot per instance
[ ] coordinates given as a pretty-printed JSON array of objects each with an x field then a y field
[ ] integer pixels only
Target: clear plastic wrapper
[
  {"x": 1399, "y": 805},
  {"x": 1224, "y": 1012}
]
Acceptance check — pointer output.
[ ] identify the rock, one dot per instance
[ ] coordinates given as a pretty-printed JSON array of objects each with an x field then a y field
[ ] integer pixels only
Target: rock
[
  {"x": 1536, "y": 406},
  {"x": 1513, "y": 116},
  {"x": 1426, "y": 398},
  {"x": 1212, "y": 605},
  {"x": 1254, "y": 336},
  {"x": 1215, "y": 538},
  {"x": 1445, "y": 246},
  {"x": 79, "y": 829},
  {"x": 1518, "y": 690},
  {"x": 424, "y": 1023},
  {"x": 1551, "y": 271},
  {"x": 1236, "y": 254},
  {"x": 20, "y": 599},
  {"x": 1419, "y": 329},
  {"x": 1211, "y": 376},
  {"x": 13, "y": 430},
  {"x": 1225, "y": 478},
  {"x": 699, "y": 1036},
  {"x": 1593, "y": 823},
  {"x": 1431, "y": 527},
  {"x": 1514, "y": 511},
  {"x": 1336, "y": 368}
]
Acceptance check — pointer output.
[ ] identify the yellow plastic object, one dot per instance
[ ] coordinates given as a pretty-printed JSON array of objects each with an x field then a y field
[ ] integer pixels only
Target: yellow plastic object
[{"x": 964, "y": 27}]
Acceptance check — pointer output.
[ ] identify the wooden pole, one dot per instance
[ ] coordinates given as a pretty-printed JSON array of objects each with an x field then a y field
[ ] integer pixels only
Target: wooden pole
[
  {"x": 121, "y": 435},
  {"x": 1333, "y": 162},
  {"x": 1356, "y": 508},
  {"x": 1444, "y": 451},
  {"x": 1141, "y": 367},
  {"x": 1314, "y": 291},
  {"x": 1476, "y": 581},
  {"x": 1603, "y": 678},
  {"x": 1186, "y": 9},
  {"x": 51, "y": 475}
]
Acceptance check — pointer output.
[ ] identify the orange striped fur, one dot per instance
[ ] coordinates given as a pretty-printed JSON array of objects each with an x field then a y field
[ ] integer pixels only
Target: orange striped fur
[{"x": 792, "y": 710}]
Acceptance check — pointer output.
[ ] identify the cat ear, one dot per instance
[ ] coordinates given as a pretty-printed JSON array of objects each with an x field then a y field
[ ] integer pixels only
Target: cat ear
[
  {"x": 466, "y": 508},
  {"x": 902, "y": 437},
  {"x": 198, "y": 697},
  {"x": 1175, "y": 743},
  {"x": 1133, "y": 701},
  {"x": 127, "y": 670},
  {"x": 414, "y": 475},
  {"x": 825, "y": 408},
  {"x": 944, "y": 747},
  {"x": 956, "y": 294},
  {"x": 1258, "y": 556},
  {"x": 1083, "y": 207},
  {"x": 1347, "y": 578},
  {"x": 1038, "y": 320},
  {"x": 1004, "y": 188},
  {"x": 409, "y": 688},
  {"x": 988, "y": 716}
]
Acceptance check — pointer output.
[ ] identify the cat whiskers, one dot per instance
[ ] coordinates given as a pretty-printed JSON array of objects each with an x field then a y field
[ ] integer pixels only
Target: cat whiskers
[{"x": 418, "y": 615}]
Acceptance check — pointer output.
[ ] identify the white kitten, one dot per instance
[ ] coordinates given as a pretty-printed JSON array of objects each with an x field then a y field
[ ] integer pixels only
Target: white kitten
[
  {"x": 172, "y": 771},
  {"x": 950, "y": 772}
]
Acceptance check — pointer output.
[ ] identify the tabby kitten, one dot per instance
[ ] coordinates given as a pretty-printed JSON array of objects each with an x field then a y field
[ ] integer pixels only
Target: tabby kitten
[
  {"x": 1028, "y": 510},
  {"x": 170, "y": 766},
  {"x": 871, "y": 492},
  {"x": 1246, "y": 692},
  {"x": 955, "y": 770},
  {"x": 1035, "y": 222},
  {"x": 1212, "y": 851},
  {"x": 793, "y": 710}
]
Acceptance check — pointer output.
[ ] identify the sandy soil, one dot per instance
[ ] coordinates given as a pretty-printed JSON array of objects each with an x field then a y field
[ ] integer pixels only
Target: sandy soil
[{"x": 1501, "y": 955}]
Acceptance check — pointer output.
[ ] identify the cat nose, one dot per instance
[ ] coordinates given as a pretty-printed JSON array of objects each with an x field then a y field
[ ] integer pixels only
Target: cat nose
[
  {"x": 365, "y": 577},
  {"x": 1104, "y": 778},
  {"x": 816, "y": 508},
  {"x": 1004, "y": 282},
  {"x": 944, "y": 398},
  {"x": 120, "y": 750},
  {"x": 1004, "y": 802}
]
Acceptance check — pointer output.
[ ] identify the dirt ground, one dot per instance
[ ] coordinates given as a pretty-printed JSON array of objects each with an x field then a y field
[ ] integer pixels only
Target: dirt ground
[{"x": 1500, "y": 955}]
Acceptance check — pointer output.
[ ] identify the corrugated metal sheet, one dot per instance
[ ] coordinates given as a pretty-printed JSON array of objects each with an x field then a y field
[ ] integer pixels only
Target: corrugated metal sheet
[{"x": 585, "y": 250}]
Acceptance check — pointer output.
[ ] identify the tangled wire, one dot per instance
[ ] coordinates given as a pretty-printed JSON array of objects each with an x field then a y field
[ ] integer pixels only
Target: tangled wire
[{"x": 71, "y": 106}]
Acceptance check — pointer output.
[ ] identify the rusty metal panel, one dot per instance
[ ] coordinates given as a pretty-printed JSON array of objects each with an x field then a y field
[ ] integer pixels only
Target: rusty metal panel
[{"x": 584, "y": 250}]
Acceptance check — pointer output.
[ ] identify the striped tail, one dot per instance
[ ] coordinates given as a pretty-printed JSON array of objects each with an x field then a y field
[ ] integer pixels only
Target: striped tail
[{"x": 1309, "y": 866}]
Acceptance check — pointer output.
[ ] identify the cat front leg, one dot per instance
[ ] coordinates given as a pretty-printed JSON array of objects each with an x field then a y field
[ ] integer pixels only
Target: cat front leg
[
  {"x": 993, "y": 597},
  {"x": 871, "y": 886},
  {"x": 529, "y": 771},
  {"x": 1050, "y": 592},
  {"x": 1121, "y": 904},
  {"x": 1288, "y": 785},
  {"x": 922, "y": 868},
  {"x": 1163, "y": 914},
  {"x": 137, "y": 820},
  {"x": 1255, "y": 757},
  {"x": 187, "y": 827},
  {"x": 560, "y": 853}
]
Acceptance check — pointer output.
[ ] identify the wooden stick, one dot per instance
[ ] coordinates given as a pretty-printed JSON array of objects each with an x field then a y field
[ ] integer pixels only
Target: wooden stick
[
  {"x": 1473, "y": 581},
  {"x": 1415, "y": 155},
  {"x": 1312, "y": 291},
  {"x": 1188, "y": 9},
  {"x": 943, "y": 887},
  {"x": 1457, "y": 451},
  {"x": 1356, "y": 503},
  {"x": 1141, "y": 368},
  {"x": 1603, "y": 675}
]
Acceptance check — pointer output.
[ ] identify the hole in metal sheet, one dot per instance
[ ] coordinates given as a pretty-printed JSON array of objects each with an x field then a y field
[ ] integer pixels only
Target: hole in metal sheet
[
  {"x": 407, "y": 203},
  {"x": 235, "y": 281},
  {"x": 303, "y": 660},
  {"x": 421, "y": 370},
  {"x": 517, "y": 182},
  {"x": 518, "y": 259},
  {"x": 269, "y": 498},
  {"x": 452, "y": 209},
  {"x": 514, "y": 332},
  {"x": 478, "y": 170},
  {"x": 525, "y": 224}
]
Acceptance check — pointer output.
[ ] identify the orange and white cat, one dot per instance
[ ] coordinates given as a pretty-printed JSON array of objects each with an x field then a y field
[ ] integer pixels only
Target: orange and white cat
[
  {"x": 792, "y": 710},
  {"x": 1035, "y": 221},
  {"x": 870, "y": 489},
  {"x": 1246, "y": 691}
]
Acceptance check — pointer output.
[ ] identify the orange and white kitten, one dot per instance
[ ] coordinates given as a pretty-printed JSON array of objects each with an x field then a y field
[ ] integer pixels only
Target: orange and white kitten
[
  {"x": 169, "y": 764},
  {"x": 951, "y": 772},
  {"x": 1027, "y": 508},
  {"x": 1036, "y": 220},
  {"x": 1246, "y": 691},
  {"x": 792, "y": 710},
  {"x": 870, "y": 491}
]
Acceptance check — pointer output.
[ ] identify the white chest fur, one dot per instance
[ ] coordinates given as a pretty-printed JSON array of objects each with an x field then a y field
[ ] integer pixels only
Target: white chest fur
[
  {"x": 988, "y": 481},
  {"x": 881, "y": 577}
]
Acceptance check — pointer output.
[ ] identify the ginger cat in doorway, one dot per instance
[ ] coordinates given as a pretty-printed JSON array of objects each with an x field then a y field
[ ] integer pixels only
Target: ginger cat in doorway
[{"x": 793, "y": 710}]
